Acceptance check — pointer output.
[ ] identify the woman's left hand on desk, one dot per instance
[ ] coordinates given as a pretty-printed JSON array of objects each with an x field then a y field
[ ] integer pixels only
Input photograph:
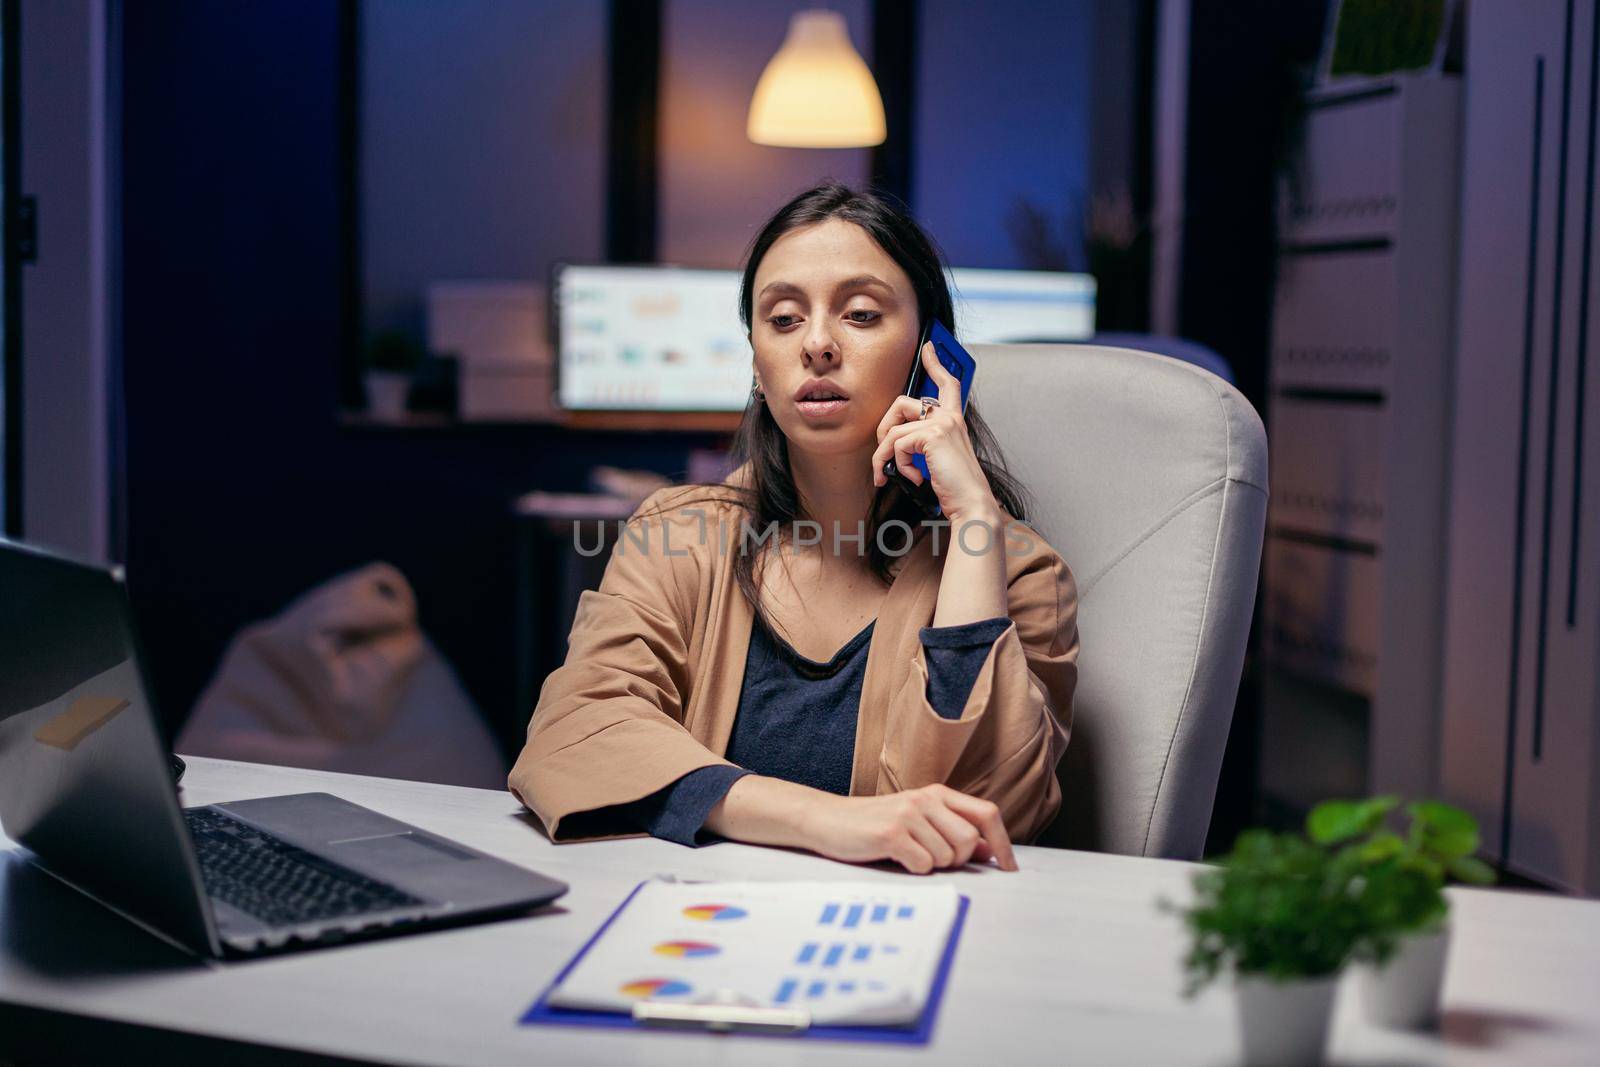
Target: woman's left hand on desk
[{"x": 924, "y": 829}]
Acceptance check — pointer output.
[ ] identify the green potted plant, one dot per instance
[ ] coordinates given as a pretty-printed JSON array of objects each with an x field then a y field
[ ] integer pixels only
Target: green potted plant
[
  {"x": 1280, "y": 915},
  {"x": 1401, "y": 876},
  {"x": 392, "y": 360}
]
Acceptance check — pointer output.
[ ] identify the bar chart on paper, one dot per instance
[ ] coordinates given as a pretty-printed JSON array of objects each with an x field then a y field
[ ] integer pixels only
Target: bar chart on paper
[{"x": 849, "y": 953}]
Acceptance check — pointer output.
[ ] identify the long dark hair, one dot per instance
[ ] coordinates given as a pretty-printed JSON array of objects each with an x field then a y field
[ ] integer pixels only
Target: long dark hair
[{"x": 770, "y": 496}]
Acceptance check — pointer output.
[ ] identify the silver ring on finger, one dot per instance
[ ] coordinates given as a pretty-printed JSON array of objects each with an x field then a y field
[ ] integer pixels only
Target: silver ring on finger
[{"x": 928, "y": 404}]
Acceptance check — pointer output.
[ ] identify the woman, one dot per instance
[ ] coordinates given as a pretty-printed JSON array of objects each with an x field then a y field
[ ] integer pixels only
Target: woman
[{"x": 795, "y": 657}]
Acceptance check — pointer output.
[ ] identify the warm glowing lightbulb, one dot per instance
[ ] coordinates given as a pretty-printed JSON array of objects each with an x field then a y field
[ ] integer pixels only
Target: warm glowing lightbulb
[{"x": 817, "y": 91}]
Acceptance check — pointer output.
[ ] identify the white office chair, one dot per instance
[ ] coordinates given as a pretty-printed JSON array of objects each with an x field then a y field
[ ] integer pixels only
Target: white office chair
[{"x": 1149, "y": 476}]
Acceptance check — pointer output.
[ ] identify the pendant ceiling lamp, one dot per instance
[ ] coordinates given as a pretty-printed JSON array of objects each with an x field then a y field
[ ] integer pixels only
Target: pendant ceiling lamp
[{"x": 817, "y": 91}]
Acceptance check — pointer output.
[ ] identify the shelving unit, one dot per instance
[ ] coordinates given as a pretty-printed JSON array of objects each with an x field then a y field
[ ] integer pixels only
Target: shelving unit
[{"x": 1358, "y": 425}]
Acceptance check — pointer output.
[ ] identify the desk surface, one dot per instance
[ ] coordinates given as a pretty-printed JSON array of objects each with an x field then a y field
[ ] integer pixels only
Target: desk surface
[{"x": 1067, "y": 961}]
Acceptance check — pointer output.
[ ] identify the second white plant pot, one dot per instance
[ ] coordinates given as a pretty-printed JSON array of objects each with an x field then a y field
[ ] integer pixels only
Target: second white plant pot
[
  {"x": 1284, "y": 1024},
  {"x": 1404, "y": 993}
]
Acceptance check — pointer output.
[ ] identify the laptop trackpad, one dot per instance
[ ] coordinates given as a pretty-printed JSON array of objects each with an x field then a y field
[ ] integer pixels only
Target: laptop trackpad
[{"x": 393, "y": 854}]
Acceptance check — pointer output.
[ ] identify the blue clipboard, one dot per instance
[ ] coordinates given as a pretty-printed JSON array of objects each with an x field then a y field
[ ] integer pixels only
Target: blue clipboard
[{"x": 543, "y": 1014}]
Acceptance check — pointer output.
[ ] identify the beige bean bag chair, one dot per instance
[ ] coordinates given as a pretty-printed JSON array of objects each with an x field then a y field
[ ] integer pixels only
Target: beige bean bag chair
[{"x": 345, "y": 680}]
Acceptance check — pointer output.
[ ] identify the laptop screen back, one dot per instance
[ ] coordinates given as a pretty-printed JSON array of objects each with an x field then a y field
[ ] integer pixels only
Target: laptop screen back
[{"x": 84, "y": 779}]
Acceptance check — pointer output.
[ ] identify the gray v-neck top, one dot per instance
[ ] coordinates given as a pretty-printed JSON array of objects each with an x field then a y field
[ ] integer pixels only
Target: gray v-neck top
[{"x": 797, "y": 720}]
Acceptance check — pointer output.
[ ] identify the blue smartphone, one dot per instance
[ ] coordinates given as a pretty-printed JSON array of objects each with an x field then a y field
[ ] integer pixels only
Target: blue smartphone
[{"x": 959, "y": 362}]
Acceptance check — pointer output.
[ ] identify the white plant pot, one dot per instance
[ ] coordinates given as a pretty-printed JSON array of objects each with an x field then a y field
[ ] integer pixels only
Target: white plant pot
[
  {"x": 386, "y": 394},
  {"x": 1404, "y": 993},
  {"x": 1284, "y": 1024}
]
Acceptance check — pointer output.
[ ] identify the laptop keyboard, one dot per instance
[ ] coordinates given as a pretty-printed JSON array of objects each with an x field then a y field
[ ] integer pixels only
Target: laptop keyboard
[{"x": 279, "y": 883}]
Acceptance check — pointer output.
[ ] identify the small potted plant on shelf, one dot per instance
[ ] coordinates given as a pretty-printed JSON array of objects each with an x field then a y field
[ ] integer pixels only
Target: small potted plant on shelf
[
  {"x": 392, "y": 359},
  {"x": 1401, "y": 959},
  {"x": 1280, "y": 915}
]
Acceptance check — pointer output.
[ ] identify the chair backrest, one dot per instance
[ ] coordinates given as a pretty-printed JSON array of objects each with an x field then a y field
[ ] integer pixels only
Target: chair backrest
[
  {"x": 1164, "y": 345},
  {"x": 1149, "y": 476}
]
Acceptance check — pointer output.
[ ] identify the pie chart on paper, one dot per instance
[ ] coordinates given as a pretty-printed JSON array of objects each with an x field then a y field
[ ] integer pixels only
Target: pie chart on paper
[
  {"x": 686, "y": 948},
  {"x": 714, "y": 912},
  {"x": 655, "y": 987}
]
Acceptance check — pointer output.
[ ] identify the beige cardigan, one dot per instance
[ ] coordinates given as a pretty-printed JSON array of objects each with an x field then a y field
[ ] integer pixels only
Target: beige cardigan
[{"x": 655, "y": 667}]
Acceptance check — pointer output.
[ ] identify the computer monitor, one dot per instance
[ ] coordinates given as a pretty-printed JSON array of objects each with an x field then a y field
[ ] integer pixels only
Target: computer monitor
[
  {"x": 659, "y": 338},
  {"x": 649, "y": 338},
  {"x": 1000, "y": 306}
]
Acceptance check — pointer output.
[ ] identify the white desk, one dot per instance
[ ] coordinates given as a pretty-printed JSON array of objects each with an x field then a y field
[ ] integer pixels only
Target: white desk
[{"x": 1066, "y": 962}]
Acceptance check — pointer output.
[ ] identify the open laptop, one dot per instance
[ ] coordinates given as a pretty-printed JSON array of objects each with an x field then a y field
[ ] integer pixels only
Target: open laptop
[{"x": 86, "y": 786}]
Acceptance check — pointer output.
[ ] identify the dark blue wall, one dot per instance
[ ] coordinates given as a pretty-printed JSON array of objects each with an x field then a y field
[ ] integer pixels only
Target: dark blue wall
[
  {"x": 1005, "y": 99},
  {"x": 476, "y": 118}
]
